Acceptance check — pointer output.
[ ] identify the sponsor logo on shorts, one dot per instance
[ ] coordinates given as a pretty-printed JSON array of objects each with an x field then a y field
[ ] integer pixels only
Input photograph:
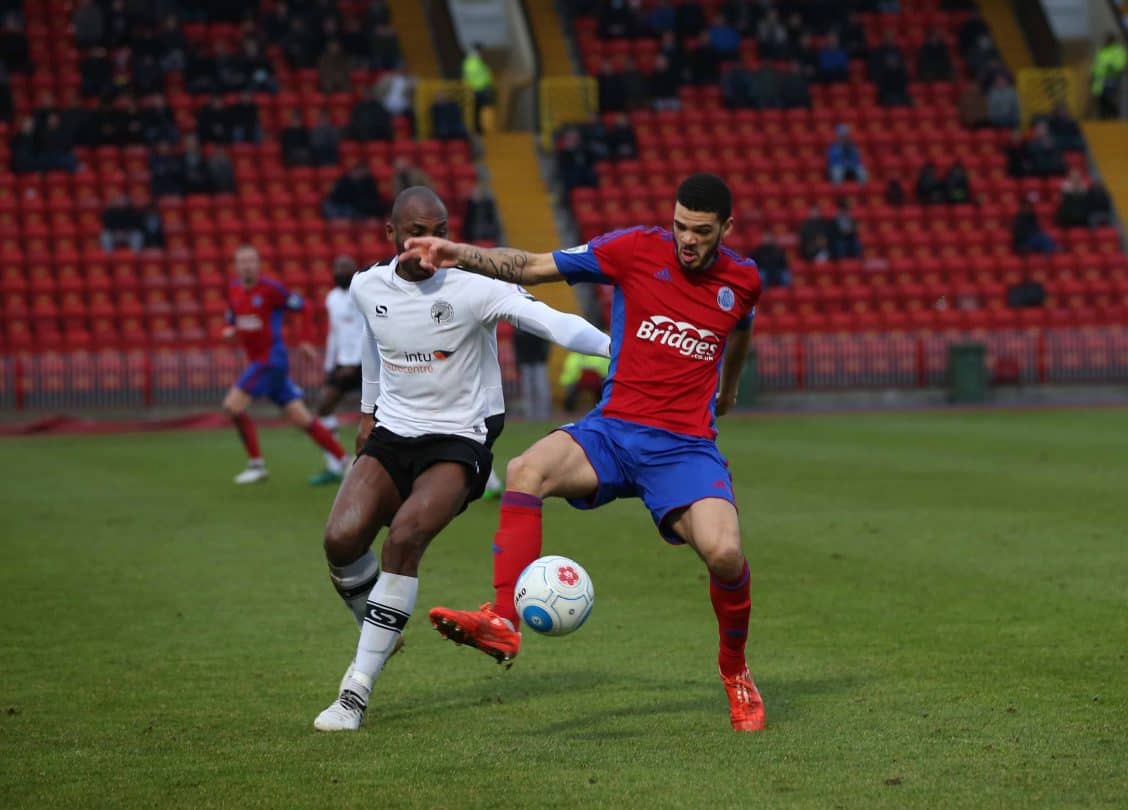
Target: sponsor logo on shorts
[{"x": 689, "y": 340}]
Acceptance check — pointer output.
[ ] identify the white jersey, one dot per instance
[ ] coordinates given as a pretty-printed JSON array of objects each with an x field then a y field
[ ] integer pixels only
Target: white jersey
[
  {"x": 346, "y": 330},
  {"x": 430, "y": 351}
]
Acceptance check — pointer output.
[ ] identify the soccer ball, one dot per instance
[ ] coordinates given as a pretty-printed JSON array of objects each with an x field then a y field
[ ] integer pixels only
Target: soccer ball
[{"x": 554, "y": 596}]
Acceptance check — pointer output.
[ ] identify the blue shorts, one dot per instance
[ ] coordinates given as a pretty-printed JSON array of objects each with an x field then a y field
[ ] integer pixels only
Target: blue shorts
[
  {"x": 667, "y": 470},
  {"x": 272, "y": 382}
]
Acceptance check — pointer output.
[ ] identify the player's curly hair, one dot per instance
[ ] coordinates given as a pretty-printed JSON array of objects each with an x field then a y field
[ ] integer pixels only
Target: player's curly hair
[{"x": 706, "y": 192}]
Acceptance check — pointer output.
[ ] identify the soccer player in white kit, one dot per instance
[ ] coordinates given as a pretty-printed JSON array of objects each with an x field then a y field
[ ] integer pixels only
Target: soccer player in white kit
[
  {"x": 342, "y": 358},
  {"x": 424, "y": 456}
]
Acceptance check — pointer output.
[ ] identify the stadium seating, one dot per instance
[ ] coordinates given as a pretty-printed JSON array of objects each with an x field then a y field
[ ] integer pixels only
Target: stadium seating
[
  {"x": 935, "y": 269},
  {"x": 61, "y": 290}
]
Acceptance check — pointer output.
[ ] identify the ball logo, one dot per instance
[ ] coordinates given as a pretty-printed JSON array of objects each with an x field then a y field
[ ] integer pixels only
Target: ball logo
[
  {"x": 567, "y": 575},
  {"x": 726, "y": 298},
  {"x": 689, "y": 340}
]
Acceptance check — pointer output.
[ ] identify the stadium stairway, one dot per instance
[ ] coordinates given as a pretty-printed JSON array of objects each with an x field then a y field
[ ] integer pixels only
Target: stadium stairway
[
  {"x": 999, "y": 16},
  {"x": 525, "y": 206},
  {"x": 414, "y": 32},
  {"x": 1107, "y": 140},
  {"x": 548, "y": 33}
]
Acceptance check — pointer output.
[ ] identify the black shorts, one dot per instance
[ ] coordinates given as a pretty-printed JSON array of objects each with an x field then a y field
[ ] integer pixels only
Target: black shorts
[
  {"x": 343, "y": 378},
  {"x": 494, "y": 425},
  {"x": 405, "y": 458}
]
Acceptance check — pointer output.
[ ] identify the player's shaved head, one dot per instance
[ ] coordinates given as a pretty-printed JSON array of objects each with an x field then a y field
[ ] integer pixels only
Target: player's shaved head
[
  {"x": 417, "y": 211},
  {"x": 417, "y": 202}
]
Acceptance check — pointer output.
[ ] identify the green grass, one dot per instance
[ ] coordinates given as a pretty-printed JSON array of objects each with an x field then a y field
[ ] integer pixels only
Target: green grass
[{"x": 940, "y": 620}]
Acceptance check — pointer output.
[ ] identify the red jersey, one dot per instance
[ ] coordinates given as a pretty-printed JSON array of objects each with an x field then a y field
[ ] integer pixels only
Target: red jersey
[
  {"x": 668, "y": 326},
  {"x": 256, "y": 313}
]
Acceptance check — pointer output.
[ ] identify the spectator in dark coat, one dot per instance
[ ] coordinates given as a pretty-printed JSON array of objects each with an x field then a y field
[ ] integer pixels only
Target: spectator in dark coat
[
  {"x": 844, "y": 240},
  {"x": 892, "y": 81},
  {"x": 200, "y": 72},
  {"x": 384, "y": 49},
  {"x": 355, "y": 196},
  {"x": 612, "y": 91},
  {"x": 166, "y": 172},
  {"x": 1064, "y": 128},
  {"x": 123, "y": 225},
  {"x": 213, "y": 122},
  {"x": 13, "y": 45},
  {"x": 1046, "y": 159},
  {"x": 333, "y": 69},
  {"x": 703, "y": 62},
  {"x": 574, "y": 162},
  {"x": 1002, "y": 104},
  {"x": 1027, "y": 234},
  {"x": 294, "y": 140},
  {"x": 894, "y": 193},
  {"x": 480, "y": 222},
  {"x": 97, "y": 73},
  {"x": 771, "y": 261},
  {"x": 620, "y": 139},
  {"x": 25, "y": 155},
  {"x": 221, "y": 172},
  {"x": 158, "y": 125},
  {"x": 1018, "y": 157},
  {"x": 929, "y": 186},
  {"x": 197, "y": 178},
  {"x": 446, "y": 115},
  {"x": 689, "y": 18},
  {"x": 89, "y": 24},
  {"x": 1073, "y": 207},
  {"x": 324, "y": 141},
  {"x": 663, "y": 85},
  {"x": 370, "y": 121},
  {"x": 257, "y": 68},
  {"x": 634, "y": 84},
  {"x": 173, "y": 44},
  {"x": 772, "y": 38},
  {"x": 934, "y": 63},
  {"x": 618, "y": 20},
  {"x": 55, "y": 147},
  {"x": 815, "y": 234},
  {"x": 244, "y": 118},
  {"x": 957, "y": 186},
  {"x": 794, "y": 91}
]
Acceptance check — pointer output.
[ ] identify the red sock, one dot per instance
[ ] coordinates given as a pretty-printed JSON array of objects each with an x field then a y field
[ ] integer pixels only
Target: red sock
[
  {"x": 732, "y": 602},
  {"x": 320, "y": 434},
  {"x": 248, "y": 434},
  {"x": 516, "y": 544}
]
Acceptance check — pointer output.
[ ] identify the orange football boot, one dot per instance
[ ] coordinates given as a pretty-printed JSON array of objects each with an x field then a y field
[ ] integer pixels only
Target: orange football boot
[
  {"x": 746, "y": 707},
  {"x": 481, "y": 629}
]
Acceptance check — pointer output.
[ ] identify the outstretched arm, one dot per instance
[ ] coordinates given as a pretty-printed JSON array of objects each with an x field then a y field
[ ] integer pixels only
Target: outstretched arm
[
  {"x": 562, "y": 328},
  {"x": 736, "y": 350},
  {"x": 507, "y": 264}
]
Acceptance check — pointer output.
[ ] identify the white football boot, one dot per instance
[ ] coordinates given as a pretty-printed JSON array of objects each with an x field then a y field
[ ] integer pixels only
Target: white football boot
[
  {"x": 253, "y": 474},
  {"x": 346, "y": 713}
]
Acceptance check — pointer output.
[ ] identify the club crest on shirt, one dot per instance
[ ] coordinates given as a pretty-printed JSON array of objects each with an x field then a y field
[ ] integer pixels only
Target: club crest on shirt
[
  {"x": 441, "y": 312},
  {"x": 256, "y": 301},
  {"x": 726, "y": 298}
]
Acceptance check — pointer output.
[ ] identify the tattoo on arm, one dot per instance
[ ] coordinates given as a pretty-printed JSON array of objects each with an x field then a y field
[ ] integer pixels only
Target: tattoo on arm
[{"x": 506, "y": 264}]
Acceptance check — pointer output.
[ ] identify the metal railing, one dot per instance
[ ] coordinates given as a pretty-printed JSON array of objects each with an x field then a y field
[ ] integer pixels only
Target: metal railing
[{"x": 140, "y": 379}]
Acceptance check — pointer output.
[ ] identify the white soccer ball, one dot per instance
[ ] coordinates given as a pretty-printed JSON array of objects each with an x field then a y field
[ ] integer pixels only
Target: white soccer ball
[{"x": 554, "y": 596}]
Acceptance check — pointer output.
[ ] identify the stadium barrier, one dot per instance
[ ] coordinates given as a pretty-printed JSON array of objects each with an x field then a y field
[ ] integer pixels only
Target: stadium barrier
[
  {"x": 565, "y": 100},
  {"x": 1041, "y": 89},
  {"x": 140, "y": 379}
]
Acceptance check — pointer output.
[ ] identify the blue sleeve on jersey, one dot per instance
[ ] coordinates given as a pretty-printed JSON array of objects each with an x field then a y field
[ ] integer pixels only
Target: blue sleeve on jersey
[{"x": 579, "y": 264}]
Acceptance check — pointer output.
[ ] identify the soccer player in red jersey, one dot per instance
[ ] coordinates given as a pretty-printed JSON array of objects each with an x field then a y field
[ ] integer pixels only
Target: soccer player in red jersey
[
  {"x": 681, "y": 316},
  {"x": 256, "y": 306}
]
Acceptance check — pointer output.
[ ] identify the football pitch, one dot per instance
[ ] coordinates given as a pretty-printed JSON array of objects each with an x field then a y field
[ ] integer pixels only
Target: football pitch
[{"x": 940, "y": 619}]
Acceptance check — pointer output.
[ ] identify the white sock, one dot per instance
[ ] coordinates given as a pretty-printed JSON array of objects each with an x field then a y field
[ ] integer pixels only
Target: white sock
[
  {"x": 354, "y": 582},
  {"x": 334, "y": 464},
  {"x": 495, "y": 481},
  {"x": 330, "y": 422},
  {"x": 388, "y": 609}
]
